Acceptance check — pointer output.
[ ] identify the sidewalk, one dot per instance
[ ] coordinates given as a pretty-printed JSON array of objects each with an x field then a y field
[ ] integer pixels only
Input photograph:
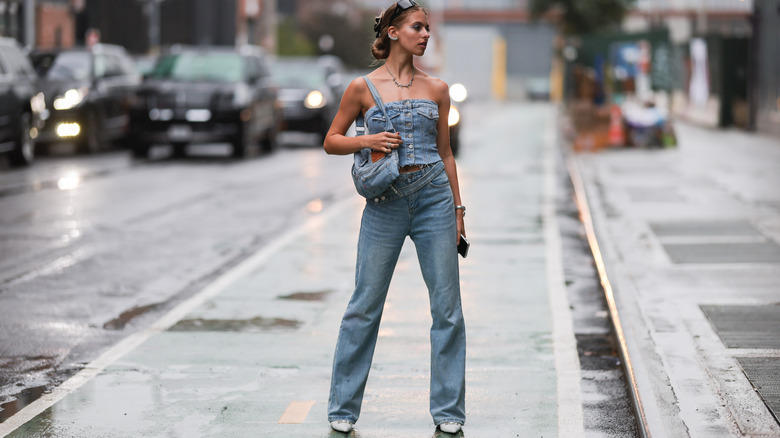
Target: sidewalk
[
  {"x": 251, "y": 354},
  {"x": 691, "y": 242}
]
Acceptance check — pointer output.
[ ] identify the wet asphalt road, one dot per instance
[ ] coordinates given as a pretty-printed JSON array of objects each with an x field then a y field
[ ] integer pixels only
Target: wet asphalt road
[{"x": 95, "y": 247}]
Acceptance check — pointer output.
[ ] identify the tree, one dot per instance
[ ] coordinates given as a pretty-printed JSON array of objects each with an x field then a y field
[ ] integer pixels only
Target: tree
[
  {"x": 577, "y": 17},
  {"x": 351, "y": 31},
  {"x": 291, "y": 41}
]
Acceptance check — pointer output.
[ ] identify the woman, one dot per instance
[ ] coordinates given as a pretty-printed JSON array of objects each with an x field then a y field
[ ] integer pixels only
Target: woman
[{"x": 424, "y": 203}]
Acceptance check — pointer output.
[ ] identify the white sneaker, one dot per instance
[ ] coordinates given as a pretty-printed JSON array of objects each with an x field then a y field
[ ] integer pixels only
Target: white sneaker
[
  {"x": 341, "y": 426},
  {"x": 450, "y": 427}
]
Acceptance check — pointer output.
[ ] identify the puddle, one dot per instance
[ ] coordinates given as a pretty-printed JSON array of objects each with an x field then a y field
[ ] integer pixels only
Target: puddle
[
  {"x": 234, "y": 325},
  {"x": 308, "y": 296},
  {"x": 20, "y": 401},
  {"x": 125, "y": 317}
]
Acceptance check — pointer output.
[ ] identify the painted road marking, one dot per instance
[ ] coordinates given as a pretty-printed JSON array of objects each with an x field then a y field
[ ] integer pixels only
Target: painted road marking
[
  {"x": 567, "y": 361},
  {"x": 296, "y": 412},
  {"x": 91, "y": 370}
]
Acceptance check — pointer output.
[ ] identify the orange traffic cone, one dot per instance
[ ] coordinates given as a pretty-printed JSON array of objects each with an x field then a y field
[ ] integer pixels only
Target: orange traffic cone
[{"x": 617, "y": 136}]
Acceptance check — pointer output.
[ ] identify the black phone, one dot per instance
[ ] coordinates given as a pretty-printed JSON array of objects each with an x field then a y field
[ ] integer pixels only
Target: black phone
[{"x": 463, "y": 246}]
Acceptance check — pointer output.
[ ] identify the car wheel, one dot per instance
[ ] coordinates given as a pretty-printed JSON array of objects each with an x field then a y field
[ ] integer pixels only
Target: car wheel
[
  {"x": 179, "y": 150},
  {"x": 241, "y": 142},
  {"x": 455, "y": 142},
  {"x": 24, "y": 151},
  {"x": 141, "y": 150},
  {"x": 90, "y": 141},
  {"x": 269, "y": 142},
  {"x": 324, "y": 128}
]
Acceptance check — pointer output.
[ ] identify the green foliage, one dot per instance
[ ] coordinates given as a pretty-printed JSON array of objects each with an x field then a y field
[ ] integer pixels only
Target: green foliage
[
  {"x": 352, "y": 34},
  {"x": 291, "y": 41},
  {"x": 578, "y": 17}
]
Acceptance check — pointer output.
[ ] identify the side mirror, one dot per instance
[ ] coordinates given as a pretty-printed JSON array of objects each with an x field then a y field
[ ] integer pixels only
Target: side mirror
[{"x": 333, "y": 80}]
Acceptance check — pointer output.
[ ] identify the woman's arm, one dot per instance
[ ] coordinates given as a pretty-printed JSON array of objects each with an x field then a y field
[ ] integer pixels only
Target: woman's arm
[
  {"x": 337, "y": 143},
  {"x": 442, "y": 92}
]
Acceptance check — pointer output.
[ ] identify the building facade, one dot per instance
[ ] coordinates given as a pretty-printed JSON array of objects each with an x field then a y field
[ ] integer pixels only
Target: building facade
[
  {"x": 765, "y": 64},
  {"x": 40, "y": 23},
  {"x": 719, "y": 38}
]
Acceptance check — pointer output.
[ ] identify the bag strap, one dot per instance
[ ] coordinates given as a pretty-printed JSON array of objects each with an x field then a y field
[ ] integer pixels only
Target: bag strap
[
  {"x": 360, "y": 123},
  {"x": 379, "y": 103}
]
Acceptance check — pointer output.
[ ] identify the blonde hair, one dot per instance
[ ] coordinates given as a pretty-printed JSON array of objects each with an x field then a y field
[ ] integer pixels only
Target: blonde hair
[{"x": 380, "y": 49}]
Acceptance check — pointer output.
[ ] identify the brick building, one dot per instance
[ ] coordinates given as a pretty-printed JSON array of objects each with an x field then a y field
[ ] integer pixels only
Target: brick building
[
  {"x": 132, "y": 24},
  {"x": 41, "y": 23},
  {"x": 55, "y": 25}
]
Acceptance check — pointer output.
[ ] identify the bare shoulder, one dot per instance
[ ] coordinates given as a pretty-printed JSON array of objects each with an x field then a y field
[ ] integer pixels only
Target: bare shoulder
[
  {"x": 438, "y": 88},
  {"x": 358, "y": 85},
  {"x": 356, "y": 90}
]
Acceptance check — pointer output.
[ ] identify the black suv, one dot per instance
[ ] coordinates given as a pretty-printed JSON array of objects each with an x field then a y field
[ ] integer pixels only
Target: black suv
[
  {"x": 20, "y": 104},
  {"x": 205, "y": 95},
  {"x": 88, "y": 92}
]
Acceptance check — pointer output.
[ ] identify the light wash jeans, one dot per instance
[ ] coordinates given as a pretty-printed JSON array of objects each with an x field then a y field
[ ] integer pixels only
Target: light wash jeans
[{"x": 428, "y": 217}]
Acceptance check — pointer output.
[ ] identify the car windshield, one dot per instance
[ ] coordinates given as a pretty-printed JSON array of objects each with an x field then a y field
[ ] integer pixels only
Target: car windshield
[
  {"x": 210, "y": 67},
  {"x": 298, "y": 74},
  {"x": 65, "y": 66}
]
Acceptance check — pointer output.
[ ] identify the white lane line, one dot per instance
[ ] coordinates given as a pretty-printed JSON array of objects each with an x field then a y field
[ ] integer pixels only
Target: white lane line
[
  {"x": 59, "y": 264},
  {"x": 567, "y": 361},
  {"x": 131, "y": 342}
]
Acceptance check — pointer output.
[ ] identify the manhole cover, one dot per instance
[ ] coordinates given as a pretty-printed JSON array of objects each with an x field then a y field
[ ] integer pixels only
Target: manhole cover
[
  {"x": 760, "y": 252},
  {"x": 654, "y": 194},
  {"x": 702, "y": 229},
  {"x": 746, "y": 326},
  {"x": 764, "y": 375},
  {"x": 715, "y": 242}
]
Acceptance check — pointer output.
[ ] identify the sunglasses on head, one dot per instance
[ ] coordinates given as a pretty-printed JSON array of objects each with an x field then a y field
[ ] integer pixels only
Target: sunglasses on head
[{"x": 400, "y": 7}]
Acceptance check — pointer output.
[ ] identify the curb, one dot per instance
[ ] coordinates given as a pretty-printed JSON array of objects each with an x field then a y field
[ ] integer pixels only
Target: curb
[{"x": 581, "y": 199}]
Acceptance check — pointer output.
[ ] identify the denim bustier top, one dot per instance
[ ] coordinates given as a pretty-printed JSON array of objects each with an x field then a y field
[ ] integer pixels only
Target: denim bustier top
[{"x": 415, "y": 120}]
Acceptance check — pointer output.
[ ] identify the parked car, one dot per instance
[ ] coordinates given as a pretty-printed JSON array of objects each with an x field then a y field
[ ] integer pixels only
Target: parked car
[
  {"x": 458, "y": 96},
  {"x": 538, "y": 88},
  {"x": 87, "y": 92},
  {"x": 207, "y": 95},
  {"x": 310, "y": 90},
  {"x": 144, "y": 63},
  {"x": 20, "y": 104}
]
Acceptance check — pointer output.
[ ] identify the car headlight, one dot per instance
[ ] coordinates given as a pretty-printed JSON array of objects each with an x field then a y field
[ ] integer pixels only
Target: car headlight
[
  {"x": 38, "y": 103},
  {"x": 314, "y": 100},
  {"x": 454, "y": 117},
  {"x": 71, "y": 99},
  {"x": 458, "y": 92}
]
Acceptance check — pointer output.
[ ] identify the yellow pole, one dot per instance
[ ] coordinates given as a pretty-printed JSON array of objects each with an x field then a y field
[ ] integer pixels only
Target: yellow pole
[
  {"x": 556, "y": 79},
  {"x": 499, "y": 68}
]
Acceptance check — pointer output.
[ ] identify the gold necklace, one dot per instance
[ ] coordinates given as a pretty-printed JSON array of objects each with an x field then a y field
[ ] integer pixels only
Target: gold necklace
[{"x": 396, "y": 82}]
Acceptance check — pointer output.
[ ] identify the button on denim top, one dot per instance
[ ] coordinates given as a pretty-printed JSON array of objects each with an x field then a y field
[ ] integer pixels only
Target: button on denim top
[{"x": 415, "y": 120}]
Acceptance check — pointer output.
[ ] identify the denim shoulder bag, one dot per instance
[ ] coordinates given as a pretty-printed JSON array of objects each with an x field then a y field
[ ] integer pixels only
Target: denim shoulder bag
[{"x": 374, "y": 178}]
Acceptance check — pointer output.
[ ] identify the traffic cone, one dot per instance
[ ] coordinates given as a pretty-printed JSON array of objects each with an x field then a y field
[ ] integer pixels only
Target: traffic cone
[{"x": 617, "y": 136}]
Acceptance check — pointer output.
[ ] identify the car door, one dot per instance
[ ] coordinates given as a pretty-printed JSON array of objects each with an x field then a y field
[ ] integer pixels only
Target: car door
[
  {"x": 265, "y": 100},
  {"x": 7, "y": 103},
  {"x": 125, "y": 82},
  {"x": 15, "y": 91},
  {"x": 115, "y": 80}
]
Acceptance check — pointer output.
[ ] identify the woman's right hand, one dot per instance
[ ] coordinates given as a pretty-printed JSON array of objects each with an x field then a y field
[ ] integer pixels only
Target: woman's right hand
[{"x": 382, "y": 142}]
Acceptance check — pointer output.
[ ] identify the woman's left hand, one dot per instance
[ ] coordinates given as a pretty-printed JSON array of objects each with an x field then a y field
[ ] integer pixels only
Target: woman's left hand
[{"x": 460, "y": 224}]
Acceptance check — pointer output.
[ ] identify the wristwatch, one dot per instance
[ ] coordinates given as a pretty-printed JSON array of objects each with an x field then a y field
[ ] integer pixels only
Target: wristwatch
[{"x": 461, "y": 207}]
